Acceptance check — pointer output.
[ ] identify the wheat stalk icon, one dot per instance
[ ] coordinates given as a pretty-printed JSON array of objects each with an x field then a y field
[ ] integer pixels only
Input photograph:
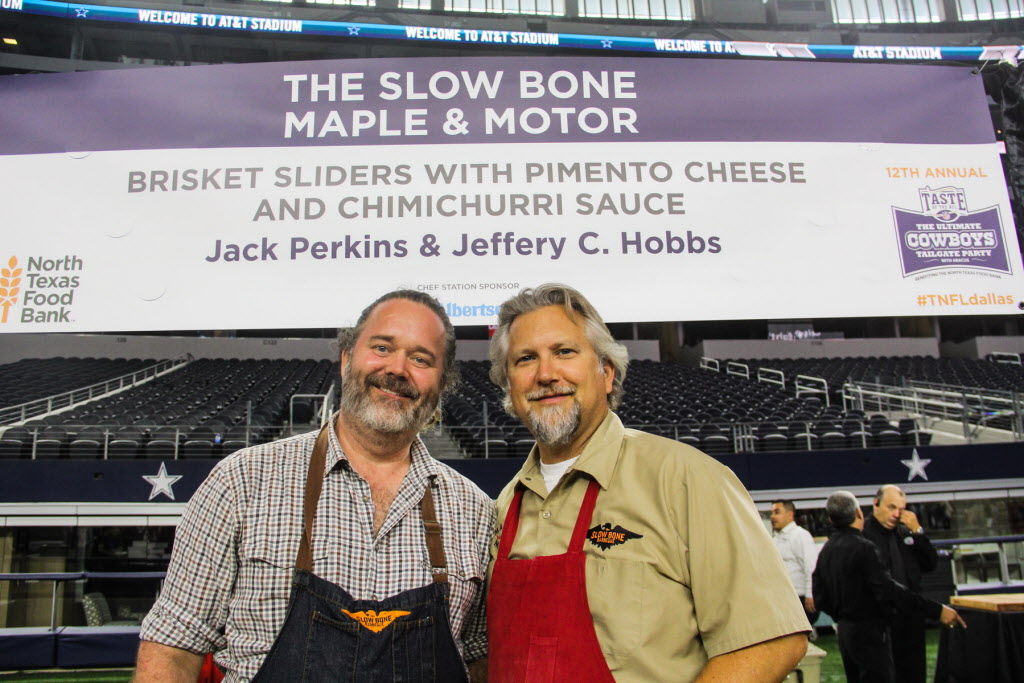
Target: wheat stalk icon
[{"x": 10, "y": 278}]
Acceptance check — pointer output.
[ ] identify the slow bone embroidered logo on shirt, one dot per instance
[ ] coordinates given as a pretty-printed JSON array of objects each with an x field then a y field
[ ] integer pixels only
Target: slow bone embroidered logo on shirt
[
  {"x": 374, "y": 620},
  {"x": 604, "y": 536}
]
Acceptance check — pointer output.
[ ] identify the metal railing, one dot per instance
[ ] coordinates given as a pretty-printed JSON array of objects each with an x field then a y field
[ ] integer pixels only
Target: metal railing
[
  {"x": 1006, "y": 358},
  {"x": 171, "y": 441},
  {"x": 737, "y": 369},
  {"x": 980, "y": 554},
  {"x": 807, "y": 385},
  {"x": 60, "y": 578},
  {"x": 325, "y": 401},
  {"x": 710, "y": 364},
  {"x": 485, "y": 440},
  {"x": 68, "y": 399},
  {"x": 772, "y": 376},
  {"x": 974, "y": 408}
]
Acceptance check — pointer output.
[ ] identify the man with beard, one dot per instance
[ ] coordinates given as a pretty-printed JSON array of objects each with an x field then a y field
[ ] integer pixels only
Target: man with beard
[
  {"x": 339, "y": 554},
  {"x": 622, "y": 556}
]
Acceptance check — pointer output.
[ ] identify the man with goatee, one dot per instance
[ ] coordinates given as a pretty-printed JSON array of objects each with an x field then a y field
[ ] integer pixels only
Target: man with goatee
[
  {"x": 344, "y": 554},
  {"x": 622, "y": 556}
]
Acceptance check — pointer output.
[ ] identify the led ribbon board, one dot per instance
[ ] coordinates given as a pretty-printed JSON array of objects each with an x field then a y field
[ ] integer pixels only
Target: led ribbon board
[{"x": 184, "y": 19}]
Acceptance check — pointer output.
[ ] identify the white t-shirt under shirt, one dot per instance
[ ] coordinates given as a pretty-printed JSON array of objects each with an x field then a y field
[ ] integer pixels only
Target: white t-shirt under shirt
[{"x": 553, "y": 473}]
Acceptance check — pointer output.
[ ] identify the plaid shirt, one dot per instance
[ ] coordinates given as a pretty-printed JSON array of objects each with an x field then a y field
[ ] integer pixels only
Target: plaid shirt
[{"x": 228, "y": 583}]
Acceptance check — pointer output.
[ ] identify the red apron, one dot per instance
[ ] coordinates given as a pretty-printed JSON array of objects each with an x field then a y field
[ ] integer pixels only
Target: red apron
[{"x": 539, "y": 626}]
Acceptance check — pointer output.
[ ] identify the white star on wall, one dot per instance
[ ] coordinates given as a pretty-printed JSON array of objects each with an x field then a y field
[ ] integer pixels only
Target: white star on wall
[
  {"x": 81, "y": 12},
  {"x": 161, "y": 482},
  {"x": 916, "y": 466},
  {"x": 353, "y": 30},
  {"x": 606, "y": 43}
]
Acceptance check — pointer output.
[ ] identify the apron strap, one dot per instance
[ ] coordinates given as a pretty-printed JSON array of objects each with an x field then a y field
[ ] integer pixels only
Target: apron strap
[
  {"x": 511, "y": 526},
  {"x": 435, "y": 548},
  {"x": 585, "y": 517},
  {"x": 314, "y": 484},
  {"x": 579, "y": 532}
]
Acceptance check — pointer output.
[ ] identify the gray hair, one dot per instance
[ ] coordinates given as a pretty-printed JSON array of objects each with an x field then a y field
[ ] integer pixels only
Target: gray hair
[
  {"x": 576, "y": 306},
  {"x": 347, "y": 336},
  {"x": 841, "y": 508}
]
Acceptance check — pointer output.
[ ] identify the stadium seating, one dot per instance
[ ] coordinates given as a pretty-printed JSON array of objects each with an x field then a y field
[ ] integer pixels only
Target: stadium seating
[
  {"x": 207, "y": 408},
  {"x": 210, "y": 408},
  {"x": 716, "y": 412}
]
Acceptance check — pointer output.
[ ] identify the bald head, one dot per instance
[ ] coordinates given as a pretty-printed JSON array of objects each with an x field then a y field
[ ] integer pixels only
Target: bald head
[{"x": 889, "y": 503}]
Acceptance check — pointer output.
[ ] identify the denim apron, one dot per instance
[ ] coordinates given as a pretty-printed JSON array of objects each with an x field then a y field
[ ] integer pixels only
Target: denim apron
[{"x": 330, "y": 636}]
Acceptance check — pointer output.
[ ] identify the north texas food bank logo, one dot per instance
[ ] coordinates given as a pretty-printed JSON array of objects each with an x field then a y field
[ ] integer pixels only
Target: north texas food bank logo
[
  {"x": 945, "y": 234},
  {"x": 43, "y": 288},
  {"x": 10, "y": 285}
]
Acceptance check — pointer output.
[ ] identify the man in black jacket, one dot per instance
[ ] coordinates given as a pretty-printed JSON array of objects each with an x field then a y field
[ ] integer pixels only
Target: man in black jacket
[
  {"x": 906, "y": 553},
  {"x": 853, "y": 587}
]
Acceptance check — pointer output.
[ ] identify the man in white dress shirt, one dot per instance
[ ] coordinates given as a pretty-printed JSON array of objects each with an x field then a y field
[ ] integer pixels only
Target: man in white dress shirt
[{"x": 798, "y": 552}]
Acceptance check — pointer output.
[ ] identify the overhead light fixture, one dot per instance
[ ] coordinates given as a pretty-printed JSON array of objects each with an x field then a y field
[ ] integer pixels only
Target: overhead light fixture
[{"x": 10, "y": 41}]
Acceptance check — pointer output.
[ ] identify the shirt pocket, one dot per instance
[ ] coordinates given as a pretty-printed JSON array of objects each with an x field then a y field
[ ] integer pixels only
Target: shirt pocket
[
  {"x": 260, "y": 598},
  {"x": 266, "y": 567},
  {"x": 270, "y": 545},
  {"x": 619, "y": 592}
]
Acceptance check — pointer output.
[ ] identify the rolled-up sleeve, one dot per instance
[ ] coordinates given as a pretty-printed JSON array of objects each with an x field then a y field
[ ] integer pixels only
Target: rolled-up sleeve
[
  {"x": 193, "y": 605},
  {"x": 474, "y": 635}
]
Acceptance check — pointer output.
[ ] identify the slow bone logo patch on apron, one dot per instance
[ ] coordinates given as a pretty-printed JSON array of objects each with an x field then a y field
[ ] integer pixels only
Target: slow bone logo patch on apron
[{"x": 374, "y": 620}]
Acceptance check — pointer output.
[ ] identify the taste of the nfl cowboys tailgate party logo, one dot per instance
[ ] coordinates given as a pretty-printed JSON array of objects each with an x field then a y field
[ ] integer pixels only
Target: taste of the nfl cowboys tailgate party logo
[{"x": 945, "y": 234}]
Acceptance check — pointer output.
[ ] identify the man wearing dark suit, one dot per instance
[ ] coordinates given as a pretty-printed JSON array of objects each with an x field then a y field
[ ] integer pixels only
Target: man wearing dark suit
[
  {"x": 907, "y": 554},
  {"x": 853, "y": 587}
]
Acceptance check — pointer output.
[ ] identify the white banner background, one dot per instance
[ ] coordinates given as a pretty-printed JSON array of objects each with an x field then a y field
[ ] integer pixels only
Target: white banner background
[{"x": 826, "y": 247}]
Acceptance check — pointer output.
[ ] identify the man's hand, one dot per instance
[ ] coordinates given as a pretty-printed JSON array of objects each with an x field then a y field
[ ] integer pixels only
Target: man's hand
[
  {"x": 478, "y": 671},
  {"x": 809, "y": 604},
  {"x": 950, "y": 618},
  {"x": 909, "y": 519}
]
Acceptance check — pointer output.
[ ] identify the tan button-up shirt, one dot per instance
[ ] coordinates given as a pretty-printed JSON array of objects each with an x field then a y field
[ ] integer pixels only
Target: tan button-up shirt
[{"x": 680, "y": 567}]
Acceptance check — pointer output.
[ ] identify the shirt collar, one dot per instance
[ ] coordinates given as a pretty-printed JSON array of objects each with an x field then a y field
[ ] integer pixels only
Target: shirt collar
[
  {"x": 598, "y": 459},
  {"x": 421, "y": 467},
  {"x": 789, "y": 527}
]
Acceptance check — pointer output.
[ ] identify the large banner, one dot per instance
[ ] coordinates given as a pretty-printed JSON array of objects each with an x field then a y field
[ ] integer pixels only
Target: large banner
[{"x": 290, "y": 194}]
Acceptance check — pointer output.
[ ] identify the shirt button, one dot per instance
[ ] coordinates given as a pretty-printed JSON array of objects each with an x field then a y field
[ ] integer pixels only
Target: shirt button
[
  {"x": 462, "y": 573},
  {"x": 374, "y": 596},
  {"x": 366, "y": 499},
  {"x": 545, "y": 514}
]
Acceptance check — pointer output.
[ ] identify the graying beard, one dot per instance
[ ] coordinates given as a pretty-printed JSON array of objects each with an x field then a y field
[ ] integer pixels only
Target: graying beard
[{"x": 560, "y": 430}]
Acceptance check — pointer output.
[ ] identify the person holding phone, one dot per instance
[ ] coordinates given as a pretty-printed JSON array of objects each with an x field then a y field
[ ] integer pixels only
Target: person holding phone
[{"x": 907, "y": 554}]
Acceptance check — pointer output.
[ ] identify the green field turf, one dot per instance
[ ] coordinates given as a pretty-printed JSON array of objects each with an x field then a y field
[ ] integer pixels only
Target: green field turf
[{"x": 831, "y": 668}]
